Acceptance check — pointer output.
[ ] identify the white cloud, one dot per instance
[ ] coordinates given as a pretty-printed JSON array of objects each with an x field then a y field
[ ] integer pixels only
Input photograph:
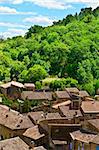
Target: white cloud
[
  {"x": 40, "y": 20},
  {"x": 18, "y": 1},
  {"x": 56, "y": 4},
  {"x": 51, "y": 4},
  {"x": 12, "y": 25},
  {"x": 13, "y": 32},
  {"x": 89, "y": 3},
  {"x": 8, "y": 10}
]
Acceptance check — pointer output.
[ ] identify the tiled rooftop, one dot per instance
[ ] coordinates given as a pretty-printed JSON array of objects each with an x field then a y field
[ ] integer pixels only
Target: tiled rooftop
[
  {"x": 82, "y": 136},
  {"x": 33, "y": 133},
  {"x": 13, "y": 144},
  {"x": 13, "y": 120},
  {"x": 62, "y": 94},
  {"x": 90, "y": 106}
]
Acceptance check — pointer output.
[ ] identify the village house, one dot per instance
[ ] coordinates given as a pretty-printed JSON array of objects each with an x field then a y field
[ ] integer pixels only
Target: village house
[
  {"x": 81, "y": 139},
  {"x": 34, "y": 136},
  {"x": 36, "y": 97},
  {"x": 90, "y": 109},
  {"x": 72, "y": 90},
  {"x": 59, "y": 134},
  {"x": 93, "y": 125},
  {"x": 61, "y": 96},
  {"x": 12, "y": 89},
  {"x": 75, "y": 114},
  {"x": 29, "y": 86},
  {"x": 14, "y": 144},
  {"x": 58, "y": 129},
  {"x": 84, "y": 95},
  {"x": 75, "y": 98},
  {"x": 12, "y": 123}
]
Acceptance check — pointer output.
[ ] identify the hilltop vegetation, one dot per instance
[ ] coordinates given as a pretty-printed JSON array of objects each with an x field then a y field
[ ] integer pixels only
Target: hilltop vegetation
[{"x": 69, "y": 49}]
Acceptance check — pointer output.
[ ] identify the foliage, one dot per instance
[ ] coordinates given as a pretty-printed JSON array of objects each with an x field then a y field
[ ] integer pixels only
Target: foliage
[
  {"x": 38, "y": 85},
  {"x": 69, "y": 49},
  {"x": 36, "y": 73},
  {"x": 62, "y": 83}
]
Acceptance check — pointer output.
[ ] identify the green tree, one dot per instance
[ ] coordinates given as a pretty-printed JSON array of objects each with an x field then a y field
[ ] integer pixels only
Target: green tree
[{"x": 36, "y": 73}]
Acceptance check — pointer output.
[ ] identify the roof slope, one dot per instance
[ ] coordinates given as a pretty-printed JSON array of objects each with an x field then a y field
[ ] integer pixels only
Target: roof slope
[
  {"x": 13, "y": 144},
  {"x": 13, "y": 119},
  {"x": 90, "y": 106},
  {"x": 33, "y": 133}
]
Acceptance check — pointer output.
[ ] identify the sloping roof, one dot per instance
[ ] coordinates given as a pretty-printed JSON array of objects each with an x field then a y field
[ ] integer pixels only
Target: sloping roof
[
  {"x": 82, "y": 136},
  {"x": 40, "y": 115},
  {"x": 61, "y": 104},
  {"x": 12, "y": 83},
  {"x": 94, "y": 123},
  {"x": 90, "y": 106},
  {"x": 39, "y": 148},
  {"x": 35, "y": 116},
  {"x": 33, "y": 133},
  {"x": 95, "y": 140},
  {"x": 13, "y": 120},
  {"x": 70, "y": 113},
  {"x": 83, "y": 94},
  {"x": 13, "y": 144},
  {"x": 72, "y": 90},
  {"x": 53, "y": 115},
  {"x": 49, "y": 95},
  {"x": 62, "y": 94},
  {"x": 31, "y": 85},
  {"x": 30, "y": 95}
]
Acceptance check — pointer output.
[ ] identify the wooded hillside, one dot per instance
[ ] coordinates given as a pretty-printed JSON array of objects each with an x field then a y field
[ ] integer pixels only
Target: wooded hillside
[{"x": 68, "y": 48}]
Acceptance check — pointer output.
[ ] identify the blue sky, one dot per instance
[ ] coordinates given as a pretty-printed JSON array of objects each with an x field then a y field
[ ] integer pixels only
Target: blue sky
[{"x": 16, "y": 16}]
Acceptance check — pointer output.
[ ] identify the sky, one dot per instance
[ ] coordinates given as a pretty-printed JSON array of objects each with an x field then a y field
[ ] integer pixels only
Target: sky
[{"x": 17, "y": 16}]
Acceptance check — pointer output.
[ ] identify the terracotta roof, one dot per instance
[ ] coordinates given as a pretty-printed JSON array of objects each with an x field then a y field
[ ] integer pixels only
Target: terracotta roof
[
  {"x": 90, "y": 106},
  {"x": 13, "y": 144},
  {"x": 49, "y": 95},
  {"x": 61, "y": 104},
  {"x": 95, "y": 140},
  {"x": 29, "y": 85},
  {"x": 39, "y": 148},
  {"x": 33, "y": 133},
  {"x": 72, "y": 90},
  {"x": 62, "y": 94},
  {"x": 12, "y": 83},
  {"x": 53, "y": 115},
  {"x": 30, "y": 95},
  {"x": 70, "y": 113},
  {"x": 13, "y": 119},
  {"x": 82, "y": 136},
  {"x": 94, "y": 123},
  {"x": 83, "y": 94},
  {"x": 35, "y": 116}
]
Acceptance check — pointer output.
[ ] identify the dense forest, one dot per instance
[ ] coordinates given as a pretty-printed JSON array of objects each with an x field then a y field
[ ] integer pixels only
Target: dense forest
[{"x": 69, "y": 49}]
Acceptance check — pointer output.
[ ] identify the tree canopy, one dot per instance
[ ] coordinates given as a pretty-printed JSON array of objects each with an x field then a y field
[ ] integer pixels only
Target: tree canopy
[{"x": 69, "y": 49}]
